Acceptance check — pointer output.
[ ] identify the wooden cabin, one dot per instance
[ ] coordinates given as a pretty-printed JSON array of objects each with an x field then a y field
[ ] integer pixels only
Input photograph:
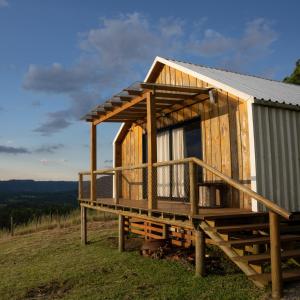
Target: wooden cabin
[{"x": 204, "y": 155}]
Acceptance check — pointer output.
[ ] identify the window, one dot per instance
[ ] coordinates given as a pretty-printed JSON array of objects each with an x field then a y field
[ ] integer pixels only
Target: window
[{"x": 176, "y": 142}]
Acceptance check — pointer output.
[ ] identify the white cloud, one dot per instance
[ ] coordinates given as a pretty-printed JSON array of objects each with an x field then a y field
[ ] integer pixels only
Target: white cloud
[
  {"x": 3, "y": 3},
  {"x": 212, "y": 44},
  {"x": 120, "y": 49}
]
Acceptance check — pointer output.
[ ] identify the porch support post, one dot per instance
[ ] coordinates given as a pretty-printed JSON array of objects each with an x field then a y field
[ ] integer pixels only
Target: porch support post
[
  {"x": 152, "y": 151},
  {"x": 199, "y": 252},
  {"x": 276, "y": 272},
  {"x": 83, "y": 225},
  {"x": 121, "y": 233},
  {"x": 93, "y": 149}
]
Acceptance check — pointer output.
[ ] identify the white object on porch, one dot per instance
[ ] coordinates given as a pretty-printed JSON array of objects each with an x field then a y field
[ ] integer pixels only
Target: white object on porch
[
  {"x": 163, "y": 173},
  {"x": 178, "y": 147}
]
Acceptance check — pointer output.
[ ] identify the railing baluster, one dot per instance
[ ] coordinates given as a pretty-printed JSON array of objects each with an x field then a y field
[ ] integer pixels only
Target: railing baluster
[{"x": 193, "y": 189}]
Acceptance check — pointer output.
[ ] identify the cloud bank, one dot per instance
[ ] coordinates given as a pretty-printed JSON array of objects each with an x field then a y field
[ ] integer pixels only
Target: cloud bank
[
  {"x": 13, "y": 150},
  {"x": 120, "y": 49},
  {"x": 47, "y": 149},
  {"x": 3, "y": 3}
]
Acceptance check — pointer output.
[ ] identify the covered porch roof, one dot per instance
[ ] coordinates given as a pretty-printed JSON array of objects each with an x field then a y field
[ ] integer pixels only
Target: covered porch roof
[{"x": 130, "y": 104}]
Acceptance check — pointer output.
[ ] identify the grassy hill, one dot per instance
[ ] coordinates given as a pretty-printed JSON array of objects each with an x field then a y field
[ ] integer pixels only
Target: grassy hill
[{"x": 51, "y": 264}]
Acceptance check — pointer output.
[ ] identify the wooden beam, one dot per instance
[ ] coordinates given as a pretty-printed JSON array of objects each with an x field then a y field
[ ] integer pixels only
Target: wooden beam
[
  {"x": 123, "y": 120},
  {"x": 152, "y": 151},
  {"x": 117, "y": 110},
  {"x": 121, "y": 233},
  {"x": 93, "y": 154},
  {"x": 134, "y": 92},
  {"x": 199, "y": 252},
  {"x": 175, "y": 88},
  {"x": 276, "y": 272},
  {"x": 83, "y": 225},
  {"x": 177, "y": 95}
]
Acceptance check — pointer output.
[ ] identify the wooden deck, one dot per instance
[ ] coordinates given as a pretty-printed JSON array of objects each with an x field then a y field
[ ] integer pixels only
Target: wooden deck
[{"x": 178, "y": 208}]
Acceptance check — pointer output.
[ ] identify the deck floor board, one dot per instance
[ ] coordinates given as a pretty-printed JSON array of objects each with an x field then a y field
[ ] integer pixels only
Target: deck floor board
[{"x": 180, "y": 208}]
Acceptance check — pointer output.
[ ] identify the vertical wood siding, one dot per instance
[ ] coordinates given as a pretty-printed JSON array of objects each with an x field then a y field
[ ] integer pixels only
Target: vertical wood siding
[
  {"x": 224, "y": 129},
  {"x": 277, "y": 153},
  {"x": 132, "y": 156}
]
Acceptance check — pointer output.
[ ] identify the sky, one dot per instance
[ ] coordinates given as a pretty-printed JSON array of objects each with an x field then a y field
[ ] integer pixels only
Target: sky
[{"x": 60, "y": 58}]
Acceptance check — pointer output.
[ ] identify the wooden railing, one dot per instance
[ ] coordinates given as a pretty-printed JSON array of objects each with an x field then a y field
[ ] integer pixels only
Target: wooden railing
[
  {"x": 192, "y": 161},
  {"x": 275, "y": 211}
]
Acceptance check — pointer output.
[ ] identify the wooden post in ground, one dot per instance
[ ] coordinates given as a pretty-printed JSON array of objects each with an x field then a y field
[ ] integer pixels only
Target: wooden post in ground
[
  {"x": 152, "y": 151},
  {"x": 121, "y": 233},
  {"x": 93, "y": 146},
  {"x": 83, "y": 225},
  {"x": 193, "y": 189},
  {"x": 276, "y": 272},
  {"x": 199, "y": 252}
]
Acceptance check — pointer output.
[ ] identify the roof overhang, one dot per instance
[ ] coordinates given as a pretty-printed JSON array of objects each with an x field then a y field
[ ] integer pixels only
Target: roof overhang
[{"x": 130, "y": 104}]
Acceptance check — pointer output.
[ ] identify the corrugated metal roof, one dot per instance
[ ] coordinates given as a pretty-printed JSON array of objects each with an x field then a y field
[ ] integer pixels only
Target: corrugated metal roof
[{"x": 256, "y": 87}]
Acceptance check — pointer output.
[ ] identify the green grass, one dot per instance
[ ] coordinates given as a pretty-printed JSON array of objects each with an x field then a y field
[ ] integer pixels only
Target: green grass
[{"x": 52, "y": 264}]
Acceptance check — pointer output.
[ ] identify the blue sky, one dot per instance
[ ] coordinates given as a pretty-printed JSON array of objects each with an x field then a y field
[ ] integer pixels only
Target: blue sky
[{"x": 59, "y": 58}]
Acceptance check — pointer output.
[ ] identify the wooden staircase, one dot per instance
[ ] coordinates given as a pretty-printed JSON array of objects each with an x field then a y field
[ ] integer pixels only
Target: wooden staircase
[{"x": 246, "y": 241}]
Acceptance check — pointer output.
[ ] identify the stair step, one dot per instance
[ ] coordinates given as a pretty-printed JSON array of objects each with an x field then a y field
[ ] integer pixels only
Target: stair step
[
  {"x": 258, "y": 240},
  {"x": 259, "y": 258},
  {"x": 243, "y": 227},
  {"x": 288, "y": 275}
]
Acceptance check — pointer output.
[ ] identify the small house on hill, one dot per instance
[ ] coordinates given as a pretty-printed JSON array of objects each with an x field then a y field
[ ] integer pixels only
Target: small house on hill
[{"x": 205, "y": 155}]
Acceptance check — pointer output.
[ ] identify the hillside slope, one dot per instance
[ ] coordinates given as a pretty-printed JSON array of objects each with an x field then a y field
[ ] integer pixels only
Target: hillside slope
[{"x": 53, "y": 265}]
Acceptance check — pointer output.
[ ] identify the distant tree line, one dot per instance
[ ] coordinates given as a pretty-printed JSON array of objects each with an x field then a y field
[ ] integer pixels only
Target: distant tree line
[{"x": 24, "y": 207}]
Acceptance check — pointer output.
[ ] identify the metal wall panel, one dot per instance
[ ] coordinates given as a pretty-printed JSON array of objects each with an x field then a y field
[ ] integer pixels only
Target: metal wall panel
[{"x": 277, "y": 152}]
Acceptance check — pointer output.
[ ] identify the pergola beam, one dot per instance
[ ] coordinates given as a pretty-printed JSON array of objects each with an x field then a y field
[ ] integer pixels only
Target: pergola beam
[
  {"x": 177, "y": 95},
  {"x": 116, "y": 111},
  {"x": 175, "y": 88},
  {"x": 130, "y": 101}
]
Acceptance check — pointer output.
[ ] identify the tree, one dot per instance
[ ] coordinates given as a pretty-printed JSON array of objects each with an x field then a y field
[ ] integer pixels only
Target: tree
[{"x": 295, "y": 76}]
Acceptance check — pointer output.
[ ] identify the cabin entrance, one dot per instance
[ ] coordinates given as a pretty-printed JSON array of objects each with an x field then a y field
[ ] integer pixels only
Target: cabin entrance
[{"x": 176, "y": 142}]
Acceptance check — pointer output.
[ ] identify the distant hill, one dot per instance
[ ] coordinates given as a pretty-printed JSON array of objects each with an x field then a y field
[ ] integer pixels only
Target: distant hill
[{"x": 21, "y": 186}]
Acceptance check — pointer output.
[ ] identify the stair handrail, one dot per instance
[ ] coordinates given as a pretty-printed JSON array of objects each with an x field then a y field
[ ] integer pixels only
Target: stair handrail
[{"x": 234, "y": 183}]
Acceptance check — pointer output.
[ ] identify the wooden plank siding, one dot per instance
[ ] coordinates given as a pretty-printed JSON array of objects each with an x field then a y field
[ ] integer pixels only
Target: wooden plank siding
[
  {"x": 224, "y": 127},
  {"x": 131, "y": 148}
]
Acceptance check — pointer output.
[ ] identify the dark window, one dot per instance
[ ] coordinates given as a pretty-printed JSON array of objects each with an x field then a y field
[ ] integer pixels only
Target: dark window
[{"x": 192, "y": 135}]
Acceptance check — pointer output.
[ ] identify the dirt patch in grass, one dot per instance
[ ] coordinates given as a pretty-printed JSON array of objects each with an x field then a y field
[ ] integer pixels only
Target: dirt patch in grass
[{"x": 51, "y": 290}]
